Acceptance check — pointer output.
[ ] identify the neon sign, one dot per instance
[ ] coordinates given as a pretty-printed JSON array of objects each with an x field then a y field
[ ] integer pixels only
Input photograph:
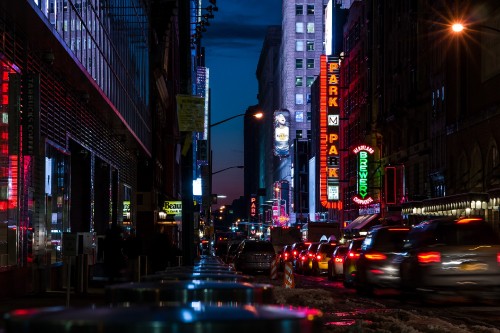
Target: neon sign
[
  {"x": 329, "y": 158},
  {"x": 363, "y": 152}
]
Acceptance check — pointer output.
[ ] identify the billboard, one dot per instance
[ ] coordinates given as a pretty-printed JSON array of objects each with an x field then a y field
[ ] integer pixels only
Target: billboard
[
  {"x": 282, "y": 133},
  {"x": 363, "y": 153}
]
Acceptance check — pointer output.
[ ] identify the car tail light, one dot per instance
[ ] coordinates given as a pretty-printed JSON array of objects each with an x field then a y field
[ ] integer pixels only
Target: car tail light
[
  {"x": 318, "y": 257},
  {"x": 294, "y": 253},
  {"x": 339, "y": 259},
  {"x": 375, "y": 256},
  {"x": 353, "y": 254},
  {"x": 429, "y": 257},
  {"x": 498, "y": 257},
  {"x": 310, "y": 254}
]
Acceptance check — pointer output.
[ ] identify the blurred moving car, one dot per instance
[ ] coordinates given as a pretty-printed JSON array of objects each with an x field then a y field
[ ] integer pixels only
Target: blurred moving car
[
  {"x": 323, "y": 255},
  {"x": 460, "y": 256},
  {"x": 375, "y": 267},
  {"x": 336, "y": 263},
  {"x": 254, "y": 256},
  {"x": 306, "y": 256},
  {"x": 349, "y": 269}
]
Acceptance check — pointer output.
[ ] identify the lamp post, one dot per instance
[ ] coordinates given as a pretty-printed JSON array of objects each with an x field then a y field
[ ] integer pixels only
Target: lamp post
[{"x": 208, "y": 209}]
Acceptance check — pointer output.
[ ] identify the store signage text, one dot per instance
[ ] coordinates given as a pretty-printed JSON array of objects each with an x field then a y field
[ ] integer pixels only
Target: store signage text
[
  {"x": 172, "y": 207},
  {"x": 363, "y": 152}
]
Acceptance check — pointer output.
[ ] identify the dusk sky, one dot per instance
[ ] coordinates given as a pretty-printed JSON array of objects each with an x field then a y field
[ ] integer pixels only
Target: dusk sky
[{"x": 233, "y": 43}]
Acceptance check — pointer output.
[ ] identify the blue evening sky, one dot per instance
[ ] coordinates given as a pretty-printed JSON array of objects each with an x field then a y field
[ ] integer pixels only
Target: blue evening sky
[{"x": 233, "y": 43}]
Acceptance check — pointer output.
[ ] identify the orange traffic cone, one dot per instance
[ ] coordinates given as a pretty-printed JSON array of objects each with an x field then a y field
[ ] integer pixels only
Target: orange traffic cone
[{"x": 288, "y": 279}]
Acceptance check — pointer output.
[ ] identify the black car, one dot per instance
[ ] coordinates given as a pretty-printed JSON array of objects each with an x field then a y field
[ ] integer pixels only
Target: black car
[
  {"x": 254, "y": 256},
  {"x": 460, "y": 256},
  {"x": 375, "y": 267}
]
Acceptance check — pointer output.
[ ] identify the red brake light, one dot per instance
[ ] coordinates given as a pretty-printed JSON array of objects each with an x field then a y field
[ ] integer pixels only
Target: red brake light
[
  {"x": 498, "y": 257},
  {"x": 375, "y": 256},
  {"x": 339, "y": 259},
  {"x": 429, "y": 257},
  {"x": 318, "y": 257},
  {"x": 353, "y": 254}
]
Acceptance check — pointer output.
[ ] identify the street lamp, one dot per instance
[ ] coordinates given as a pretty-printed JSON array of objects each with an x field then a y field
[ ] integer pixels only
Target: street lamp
[
  {"x": 231, "y": 167},
  {"x": 257, "y": 115}
]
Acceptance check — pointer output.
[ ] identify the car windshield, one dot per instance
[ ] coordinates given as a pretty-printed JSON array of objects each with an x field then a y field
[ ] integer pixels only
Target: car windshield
[{"x": 259, "y": 246}]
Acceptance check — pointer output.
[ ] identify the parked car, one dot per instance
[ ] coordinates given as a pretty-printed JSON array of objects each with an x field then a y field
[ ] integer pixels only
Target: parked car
[
  {"x": 323, "y": 255},
  {"x": 254, "y": 256},
  {"x": 306, "y": 256},
  {"x": 451, "y": 255},
  {"x": 336, "y": 263},
  {"x": 375, "y": 267},
  {"x": 349, "y": 269}
]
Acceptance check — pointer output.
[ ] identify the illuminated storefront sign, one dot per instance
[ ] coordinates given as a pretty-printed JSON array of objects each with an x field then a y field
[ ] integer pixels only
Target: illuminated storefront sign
[
  {"x": 172, "y": 207},
  {"x": 363, "y": 152},
  {"x": 253, "y": 206},
  {"x": 282, "y": 133},
  {"x": 329, "y": 133}
]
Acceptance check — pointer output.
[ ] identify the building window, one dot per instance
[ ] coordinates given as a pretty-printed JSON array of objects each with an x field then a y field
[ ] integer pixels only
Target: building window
[
  {"x": 299, "y": 99},
  {"x": 310, "y": 63},
  {"x": 309, "y": 134},
  {"x": 310, "y": 45},
  {"x": 299, "y": 27},
  {"x": 308, "y": 97},
  {"x": 298, "y": 81},
  {"x": 298, "y": 134},
  {"x": 310, "y": 27},
  {"x": 299, "y": 63},
  {"x": 299, "y": 10},
  {"x": 309, "y": 118},
  {"x": 299, "y": 118},
  {"x": 299, "y": 45},
  {"x": 310, "y": 81},
  {"x": 310, "y": 9}
]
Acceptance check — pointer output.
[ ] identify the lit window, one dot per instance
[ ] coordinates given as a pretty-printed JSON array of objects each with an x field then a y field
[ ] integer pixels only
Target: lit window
[
  {"x": 308, "y": 98},
  {"x": 310, "y": 45},
  {"x": 310, "y": 9},
  {"x": 298, "y": 81},
  {"x": 299, "y": 99},
  {"x": 299, "y": 45},
  {"x": 299, "y": 10},
  {"x": 309, "y": 81},
  {"x": 298, "y": 134},
  {"x": 310, "y": 63},
  {"x": 299, "y": 27},
  {"x": 299, "y": 63},
  {"x": 299, "y": 118},
  {"x": 310, "y": 27}
]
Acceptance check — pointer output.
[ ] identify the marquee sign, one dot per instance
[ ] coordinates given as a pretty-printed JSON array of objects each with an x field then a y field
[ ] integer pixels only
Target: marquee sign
[
  {"x": 329, "y": 132},
  {"x": 363, "y": 152}
]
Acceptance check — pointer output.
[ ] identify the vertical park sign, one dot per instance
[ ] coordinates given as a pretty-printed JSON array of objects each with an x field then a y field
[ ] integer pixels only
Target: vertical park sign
[
  {"x": 363, "y": 153},
  {"x": 329, "y": 127}
]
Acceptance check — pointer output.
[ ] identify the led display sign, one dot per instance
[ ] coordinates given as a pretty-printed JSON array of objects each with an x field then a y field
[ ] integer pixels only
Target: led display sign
[
  {"x": 363, "y": 152},
  {"x": 329, "y": 127},
  {"x": 173, "y": 207}
]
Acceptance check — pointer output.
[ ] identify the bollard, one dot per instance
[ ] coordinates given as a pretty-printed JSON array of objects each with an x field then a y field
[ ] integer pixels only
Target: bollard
[
  {"x": 274, "y": 268},
  {"x": 288, "y": 279}
]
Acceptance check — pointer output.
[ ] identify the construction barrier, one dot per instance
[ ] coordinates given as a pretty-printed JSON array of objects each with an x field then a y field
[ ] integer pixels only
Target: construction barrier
[
  {"x": 288, "y": 279},
  {"x": 274, "y": 268}
]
